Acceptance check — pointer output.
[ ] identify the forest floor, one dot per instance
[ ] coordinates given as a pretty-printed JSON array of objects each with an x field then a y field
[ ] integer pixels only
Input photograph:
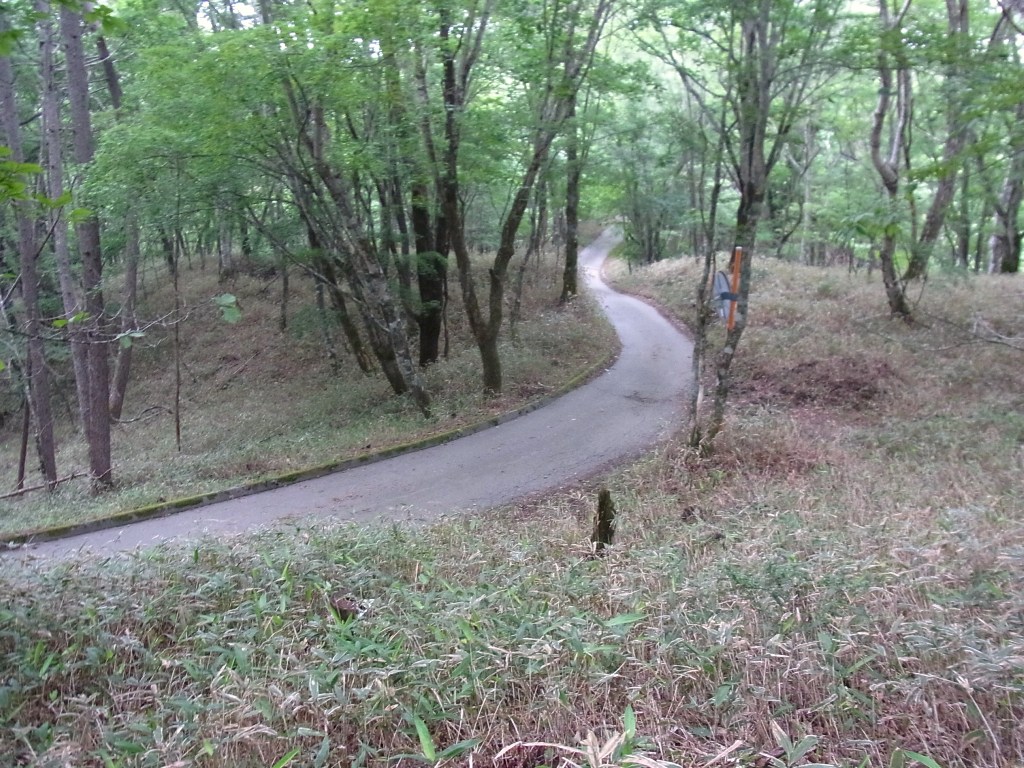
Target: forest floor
[
  {"x": 840, "y": 583},
  {"x": 622, "y": 411},
  {"x": 258, "y": 401}
]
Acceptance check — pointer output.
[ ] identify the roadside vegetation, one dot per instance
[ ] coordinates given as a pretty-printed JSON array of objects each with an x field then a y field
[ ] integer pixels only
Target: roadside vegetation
[
  {"x": 832, "y": 576},
  {"x": 258, "y": 402},
  {"x": 840, "y": 582}
]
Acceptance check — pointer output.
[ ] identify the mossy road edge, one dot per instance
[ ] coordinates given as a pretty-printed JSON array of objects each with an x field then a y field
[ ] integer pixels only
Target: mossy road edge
[{"x": 186, "y": 503}]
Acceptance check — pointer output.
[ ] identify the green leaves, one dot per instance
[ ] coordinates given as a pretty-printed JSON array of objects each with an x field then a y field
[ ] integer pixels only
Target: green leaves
[
  {"x": 75, "y": 319},
  {"x": 8, "y": 38},
  {"x": 429, "y": 753},
  {"x": 13, "y": 184},
  {"x": 426, "y": 741},
  {"x": 794, "y": 752},
  {"x": 900, "y": 758},
  {"x": 128, "y": 338},
  {"x": 287, "y": 758},
  {"x": 74, "y": 216},
  {"x": 624, "y": 620},
  {"x": 230, "y": 312},
  {"x": 103, "y": 15}
]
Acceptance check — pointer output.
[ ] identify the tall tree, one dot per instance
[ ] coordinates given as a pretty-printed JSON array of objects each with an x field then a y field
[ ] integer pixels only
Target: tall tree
[
  {"x": 87, "y": 231},
  {"x": 28, "y": 253},
  {"x": 957, "y": 54},
  {"x": 570, "y": 33},
  {"x": 573, "y": 174},
  {"x": 53, "y": 152},
  {"x": 770, "y": 54},
  {"x": 893, "y": 110},
  {"x": 1005, "y": 240}
]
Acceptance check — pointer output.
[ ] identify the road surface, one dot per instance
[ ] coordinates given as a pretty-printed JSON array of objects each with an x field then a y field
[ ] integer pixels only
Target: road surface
[{"x": 617, "y": 416}]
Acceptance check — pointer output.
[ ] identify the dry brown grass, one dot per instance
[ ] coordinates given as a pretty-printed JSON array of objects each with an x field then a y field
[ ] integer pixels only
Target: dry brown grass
[
  {"x": 257, "y": 402},
  {"x": 894, "y": 454},
  {"x": 841, "y": 582}
]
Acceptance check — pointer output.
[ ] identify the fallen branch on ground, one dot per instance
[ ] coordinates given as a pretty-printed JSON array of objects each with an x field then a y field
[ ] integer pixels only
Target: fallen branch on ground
[
  {"x": 145, "y": 414},
  {"x": 58, "y": 481}
]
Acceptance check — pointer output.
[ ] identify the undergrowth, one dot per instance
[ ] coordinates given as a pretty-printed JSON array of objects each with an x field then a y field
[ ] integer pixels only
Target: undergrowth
[
  {"x": 258, "y": 401},
  {"x": 707, "y": 628},
  {"x": 840, "y": 583}
]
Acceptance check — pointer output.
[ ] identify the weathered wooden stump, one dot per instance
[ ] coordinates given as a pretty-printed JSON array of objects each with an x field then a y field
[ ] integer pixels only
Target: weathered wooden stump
[{"x": 604, "y": 524}]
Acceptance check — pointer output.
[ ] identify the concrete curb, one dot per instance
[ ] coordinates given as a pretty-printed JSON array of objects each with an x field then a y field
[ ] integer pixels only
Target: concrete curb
[{"x": 167, "y": 508}]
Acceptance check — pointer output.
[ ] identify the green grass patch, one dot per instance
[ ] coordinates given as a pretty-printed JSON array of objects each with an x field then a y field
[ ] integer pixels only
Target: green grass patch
[{"x": 502, "y": 630}]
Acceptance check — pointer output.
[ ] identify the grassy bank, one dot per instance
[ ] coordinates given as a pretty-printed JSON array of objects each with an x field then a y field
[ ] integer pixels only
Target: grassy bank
[
  {"x": 841, "y": 583},
  {"x": 258, "y": 402}
]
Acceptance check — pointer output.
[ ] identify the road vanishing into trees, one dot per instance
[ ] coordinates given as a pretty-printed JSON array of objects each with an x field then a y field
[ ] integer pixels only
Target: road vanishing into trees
[{"x": 617, "y": 416}]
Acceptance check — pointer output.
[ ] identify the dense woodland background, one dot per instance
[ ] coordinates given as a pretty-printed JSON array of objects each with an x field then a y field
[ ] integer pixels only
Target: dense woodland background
[{"x": 386, "y": 152}]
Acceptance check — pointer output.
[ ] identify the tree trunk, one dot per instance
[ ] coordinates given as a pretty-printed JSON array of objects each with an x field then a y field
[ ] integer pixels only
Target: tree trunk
[
  {"x": 245, "y": 243},
  {"x": 1005, "y": 241},
  {"x": 751, "y": 168},
  {"x": 538, "y": 224},
  {"x": 351, "y": 244},
  {"x": 567, "y": 70},
  {"x": 109, "y": 72},
  {"x": 573, "y": 171},
  {"x": 225, "y": 258},
  {"x": 956, "y": 138},
  {"x": 431, "y": 272},
  {"x": 887, "y": 165},
  {"x": 325, "y": 328},
  {"x": 487, "y": 332},
  {"x": 38, "y": 378},
  {"x": 88, "y": 232},
  {"x": 604, "y": 522},
  {"x": 704, "y": 310},
  {"x": 327, "y": 276},
  {"x": 26, "y": 432},
  {"x": 53, "y": 148},
  {"x": 746, "y": 232},
  {"x": 282, "y": 320},
  {"x": 123, "y": 361},
  {"x": 963, "y": 222},
  {"x": 400, "y": 249}
]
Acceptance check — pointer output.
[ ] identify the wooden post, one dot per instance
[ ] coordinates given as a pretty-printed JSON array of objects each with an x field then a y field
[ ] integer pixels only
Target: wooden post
[
  {"x": 26, "y": 426},
  {"x": 604, "y": 524}
]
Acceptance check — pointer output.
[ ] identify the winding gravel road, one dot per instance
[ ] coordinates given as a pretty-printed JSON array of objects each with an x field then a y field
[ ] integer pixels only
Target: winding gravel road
[{"x": 617, "y": 416}]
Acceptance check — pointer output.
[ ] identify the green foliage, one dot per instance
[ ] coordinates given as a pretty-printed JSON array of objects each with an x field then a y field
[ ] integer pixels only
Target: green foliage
[
  {"x": 14, "y": 177},
  {"x": 904, "y": 757},
  {"x": 103, "y": 16},
  {"x": 8, "y": 39},
  {"x": 227, "y": 303},
  {"x": 76, "y": 319},
  {"x": 429, "y": 753},
  {"x": 128, "y": 338}
]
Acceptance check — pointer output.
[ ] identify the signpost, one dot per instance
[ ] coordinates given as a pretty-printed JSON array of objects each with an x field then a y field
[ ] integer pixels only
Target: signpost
[{"x": 727, "y": 292}]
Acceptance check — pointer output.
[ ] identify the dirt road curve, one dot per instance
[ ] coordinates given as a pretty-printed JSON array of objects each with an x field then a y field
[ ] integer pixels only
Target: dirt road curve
[{"x": 616, "y": 416}]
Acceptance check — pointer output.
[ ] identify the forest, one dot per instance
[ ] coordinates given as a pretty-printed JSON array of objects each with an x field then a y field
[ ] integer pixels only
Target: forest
[
  {"x": 379, "y": 150},
  {"x": 240, "y": 240}
]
